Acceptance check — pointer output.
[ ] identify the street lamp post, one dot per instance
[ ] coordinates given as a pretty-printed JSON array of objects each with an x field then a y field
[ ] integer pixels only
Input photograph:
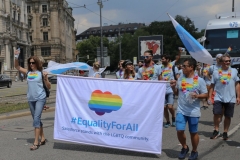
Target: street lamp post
[
  {"x": 232, "y": 5},
  {"x": 101, "y": 46},
  {"x": 120, "y": 52}
]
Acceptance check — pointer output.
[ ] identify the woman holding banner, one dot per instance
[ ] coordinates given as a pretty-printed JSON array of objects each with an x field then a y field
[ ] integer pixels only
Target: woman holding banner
[
  {"x": 36, "y": 95},
  {"x": 129, "y": 72}
]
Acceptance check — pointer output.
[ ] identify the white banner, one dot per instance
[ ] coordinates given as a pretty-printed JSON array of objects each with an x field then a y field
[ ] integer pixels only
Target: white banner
[{"x": 110, "y": 113}]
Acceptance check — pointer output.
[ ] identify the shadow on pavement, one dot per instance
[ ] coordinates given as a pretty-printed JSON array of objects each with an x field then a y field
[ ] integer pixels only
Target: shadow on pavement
[
  {"x": 171, "y": 153},
  {"x": 207, "y": 123},
  {"x": 94, "y": 149},
  {"x": 205, "y": 134}
]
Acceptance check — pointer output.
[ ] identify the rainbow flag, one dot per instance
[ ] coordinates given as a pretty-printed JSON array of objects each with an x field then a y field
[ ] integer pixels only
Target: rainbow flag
[{"x": 229, "y": 49}]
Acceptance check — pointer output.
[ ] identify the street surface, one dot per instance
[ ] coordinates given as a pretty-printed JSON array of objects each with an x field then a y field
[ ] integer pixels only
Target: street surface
[{"x": 17, "y": 137}]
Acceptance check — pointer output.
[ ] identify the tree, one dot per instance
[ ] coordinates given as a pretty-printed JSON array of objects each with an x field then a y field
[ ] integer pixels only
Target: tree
[{"x": 171, "y": 40}]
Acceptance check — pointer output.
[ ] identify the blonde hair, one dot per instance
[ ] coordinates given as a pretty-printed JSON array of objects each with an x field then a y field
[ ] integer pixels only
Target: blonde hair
[{"x": 41, "y": 59}]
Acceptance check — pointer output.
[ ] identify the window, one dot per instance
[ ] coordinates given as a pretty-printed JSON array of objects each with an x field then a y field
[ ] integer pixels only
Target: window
[
  {"x": 44, "y": 8},
  {"x": 122, "y": 29},
  {"x": 32, "y": 51},
  {"x": 128, "y": 28},
  {"x": 110, "y": 30},
  {"x": 29, "y": 23},
  {"x": 87, "y": 32},
  {"x": 116, "y": 30},
  {"x": 93, "y": 32},
  {"x": 20, "y": 35},
  {"x": 46, "y": 51},
  {"x": 45, "y": 22},
  {"x": 30, "y": 37},
  {"x": 135, "y": 28},
  {"x": 28, "y": 9},
  {"x": 45, "y": 36},
  {"x": 18, "y": 17},
  {"x": 14, "y": 15}
]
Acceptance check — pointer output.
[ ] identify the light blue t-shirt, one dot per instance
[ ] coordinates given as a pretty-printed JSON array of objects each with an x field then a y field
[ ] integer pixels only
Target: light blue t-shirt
[
  {"x": 213, "y": 68},
  {"x": 35, "y": 86},
  {"x": 119, "y": 74},
  {"x": 167, "y": 74},
  {"x": 206, "y": 78},
  {"x": 153, "y": 76},
  {"x": 184, "y": 106},
  {"x": 225, "y": 93}
]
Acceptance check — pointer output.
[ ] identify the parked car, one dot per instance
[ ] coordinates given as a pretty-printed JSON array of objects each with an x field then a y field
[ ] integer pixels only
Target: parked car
[{"x": 5, "y": 80}]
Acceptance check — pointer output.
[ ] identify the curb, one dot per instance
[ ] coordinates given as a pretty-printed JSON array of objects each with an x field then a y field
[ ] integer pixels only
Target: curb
[{"x": 22, "y": 114}]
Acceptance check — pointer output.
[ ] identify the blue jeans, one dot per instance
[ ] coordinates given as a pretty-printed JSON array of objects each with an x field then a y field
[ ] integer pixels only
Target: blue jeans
[{"x": 36, "y": 108}]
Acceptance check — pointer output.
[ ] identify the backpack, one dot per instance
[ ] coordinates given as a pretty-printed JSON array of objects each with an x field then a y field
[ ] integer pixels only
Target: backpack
[
  {"x": 45, "y": 87},
  {"x": 173, "y": 70}
]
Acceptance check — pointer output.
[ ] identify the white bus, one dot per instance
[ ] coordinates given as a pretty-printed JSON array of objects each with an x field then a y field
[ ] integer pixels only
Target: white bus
[{"x": 222, "y": 33}]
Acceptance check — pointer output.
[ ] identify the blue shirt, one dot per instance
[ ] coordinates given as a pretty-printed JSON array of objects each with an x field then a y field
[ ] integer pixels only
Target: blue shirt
[
  {"x": 169, "y": 76},
  {"x": 225, "y": 93},
  {"x": 213, "y": 68},
  {"x": 35, "y": 86},
  {"x": 153, "y": 76},
  {"x": 184, "y": 107}
]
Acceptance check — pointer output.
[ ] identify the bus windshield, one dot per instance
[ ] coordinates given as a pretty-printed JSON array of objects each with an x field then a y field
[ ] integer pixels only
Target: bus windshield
[{"x": 218, "y": 41}]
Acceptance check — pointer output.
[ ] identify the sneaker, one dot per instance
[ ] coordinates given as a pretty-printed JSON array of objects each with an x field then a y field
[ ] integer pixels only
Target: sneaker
[
  {"x": 173, "y": 124},
  {"x": 193, "y": 156},
  {"x": 183, "y": 153},
  {"x": 215, "y": 135},
  {"x": 225, "y": 136},
  {"x": 167, "y": 125}
]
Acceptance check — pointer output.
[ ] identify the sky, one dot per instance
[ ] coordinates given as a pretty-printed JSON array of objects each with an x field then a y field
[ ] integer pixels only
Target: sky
[{"x": 147, "y": 11}]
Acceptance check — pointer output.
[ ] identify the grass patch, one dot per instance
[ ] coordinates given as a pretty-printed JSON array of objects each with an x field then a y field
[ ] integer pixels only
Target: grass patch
[{"x": 10, "y": 107}]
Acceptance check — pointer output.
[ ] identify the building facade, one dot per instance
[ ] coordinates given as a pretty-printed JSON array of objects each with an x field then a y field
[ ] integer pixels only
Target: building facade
[
  {"x": 110, "y": 31},
  {"x": 14, "y": 34},
  {"x": 51, "y": 31}
]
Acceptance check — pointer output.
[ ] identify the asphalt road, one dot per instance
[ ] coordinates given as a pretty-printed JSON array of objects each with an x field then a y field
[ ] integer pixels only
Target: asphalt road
[{"x": 17, "y": 136}]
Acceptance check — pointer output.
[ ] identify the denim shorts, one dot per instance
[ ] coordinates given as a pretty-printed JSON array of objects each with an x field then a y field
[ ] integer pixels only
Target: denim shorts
[
  {"x": 169, "y": 99},
  {"x": 36, "y": 108},
  {"x": 182, "y": 120}
]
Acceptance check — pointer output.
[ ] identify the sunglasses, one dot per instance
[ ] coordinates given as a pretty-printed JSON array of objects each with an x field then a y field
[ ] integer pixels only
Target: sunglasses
[
  {"x": 146, "y": 57},
  {"x": 32, "y": 63},
  {"x": 227, "y": 61}
]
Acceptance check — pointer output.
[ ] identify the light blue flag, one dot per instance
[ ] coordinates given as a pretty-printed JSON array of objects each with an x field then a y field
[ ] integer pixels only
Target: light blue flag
[
  {"x": 196, "y": 50},
  {"x": 58, "y": 68}
]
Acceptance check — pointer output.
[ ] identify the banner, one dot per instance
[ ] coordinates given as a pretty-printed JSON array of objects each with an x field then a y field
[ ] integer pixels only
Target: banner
[{"x": 122, "y": 114}]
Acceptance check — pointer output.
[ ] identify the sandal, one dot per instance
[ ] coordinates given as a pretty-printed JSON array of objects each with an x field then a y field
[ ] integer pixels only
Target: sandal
[
  {"x": 43, "y": 142},
  {"x": 34, "y": 147}
]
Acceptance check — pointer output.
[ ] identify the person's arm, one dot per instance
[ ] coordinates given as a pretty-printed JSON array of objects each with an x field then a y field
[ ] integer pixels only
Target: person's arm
[
  {"x": 16, "y": 64},
  {"x": 238, "y": 92},
  {"x": 178, "y": 56},
  {"x": 46, "y": 81},
  {"x": 210, "y": 91},
  {"x": 173, "y": 84}
]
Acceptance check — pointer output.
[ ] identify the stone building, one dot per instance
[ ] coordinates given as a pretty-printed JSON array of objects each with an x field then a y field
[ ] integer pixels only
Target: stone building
[
  {"x": 13, "y": 33},
  {"x": 51, "y": 31}
]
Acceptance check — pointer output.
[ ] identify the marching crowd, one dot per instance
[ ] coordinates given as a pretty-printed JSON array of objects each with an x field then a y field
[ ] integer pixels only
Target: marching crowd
[
  {"x": 190, "y": 81},
  {"x": 193, "y": 83}
]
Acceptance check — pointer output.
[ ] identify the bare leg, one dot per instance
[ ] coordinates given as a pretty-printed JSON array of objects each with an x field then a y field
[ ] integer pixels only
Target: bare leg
[
  {"x": 41, "y": 134},
  {"x": 166, "y": 114},
  {"x": 227, "y": 122},
  {"x": 195, "y": 141},
  {"x": 37, "y": 133},
  {"x": 217, "y": 119},
  {"x": 172, "y": 111},
  {"x": 182, "y": 138}
]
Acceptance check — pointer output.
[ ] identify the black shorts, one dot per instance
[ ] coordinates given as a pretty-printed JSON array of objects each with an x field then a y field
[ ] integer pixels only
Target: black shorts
[{"x": 228, "y": 108}]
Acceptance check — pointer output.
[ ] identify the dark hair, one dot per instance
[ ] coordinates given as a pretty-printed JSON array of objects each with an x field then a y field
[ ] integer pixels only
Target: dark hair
[
  {"x": 191, "y": 62},
  {"x": 149, "y": 51},
  {"x": 38, "y": 63},
  {"x": 166, "y": 56}
]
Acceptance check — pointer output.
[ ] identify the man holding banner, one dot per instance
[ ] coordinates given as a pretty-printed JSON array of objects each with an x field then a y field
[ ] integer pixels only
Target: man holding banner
[{"x": 190, "y": 89}]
